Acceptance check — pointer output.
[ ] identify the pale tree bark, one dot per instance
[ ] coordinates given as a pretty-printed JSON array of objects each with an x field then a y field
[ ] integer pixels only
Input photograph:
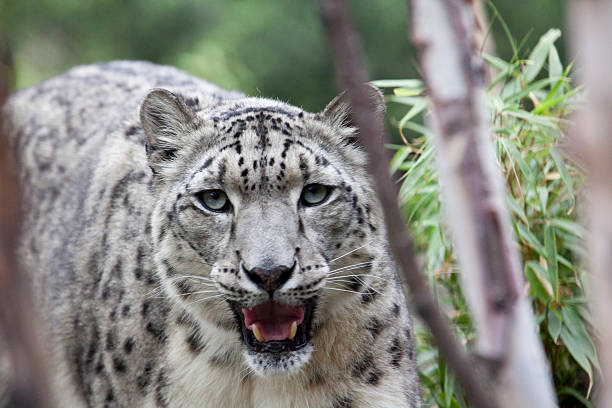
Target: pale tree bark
[
  {"x": 22, "y": 371},
  {"x": 346, "y": 47},
  {"x": 474, "y": 201},
  {"x": 592, "y": 136}
]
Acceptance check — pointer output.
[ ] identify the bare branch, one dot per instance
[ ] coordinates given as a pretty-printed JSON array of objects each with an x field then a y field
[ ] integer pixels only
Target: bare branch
[
  {"x": 473, "y": 190},
  {"x": 350, "y": 66}
]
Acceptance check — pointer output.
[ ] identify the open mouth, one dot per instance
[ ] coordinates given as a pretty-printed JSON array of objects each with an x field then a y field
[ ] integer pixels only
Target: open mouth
[{"x": 275, "y": 327}]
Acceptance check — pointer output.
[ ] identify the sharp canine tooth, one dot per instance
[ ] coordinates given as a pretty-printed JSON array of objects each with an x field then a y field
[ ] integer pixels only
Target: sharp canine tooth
[
  {"x": 293, "y": 330},
  {"x": 257, "y": 333}
]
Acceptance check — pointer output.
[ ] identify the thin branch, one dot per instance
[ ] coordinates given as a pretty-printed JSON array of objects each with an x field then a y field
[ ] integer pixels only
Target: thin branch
[{"x": 350, "y": 66}]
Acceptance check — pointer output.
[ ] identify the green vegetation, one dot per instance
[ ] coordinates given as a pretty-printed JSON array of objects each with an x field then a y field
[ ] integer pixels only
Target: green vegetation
[
  {"x": 270, "y": 48},
  {"x": 529, "y": 101}
]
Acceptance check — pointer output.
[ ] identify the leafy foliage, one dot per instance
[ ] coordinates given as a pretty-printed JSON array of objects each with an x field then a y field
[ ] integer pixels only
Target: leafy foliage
[{"x": 528, "y": 102}]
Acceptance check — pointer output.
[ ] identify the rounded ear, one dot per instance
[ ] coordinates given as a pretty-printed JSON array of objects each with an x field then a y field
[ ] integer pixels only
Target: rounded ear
[
  {"x": 167, "y": 121},
  {"x": 339, "y": 113}
]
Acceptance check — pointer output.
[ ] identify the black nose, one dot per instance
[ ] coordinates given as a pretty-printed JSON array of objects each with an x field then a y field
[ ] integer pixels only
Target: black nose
[{"x": 270, "y": 279}]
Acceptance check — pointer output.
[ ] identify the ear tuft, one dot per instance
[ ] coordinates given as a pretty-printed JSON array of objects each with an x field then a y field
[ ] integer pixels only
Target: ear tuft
[
  {"x": 166, "y": 121},
  {"x": 338, "y": 112}
]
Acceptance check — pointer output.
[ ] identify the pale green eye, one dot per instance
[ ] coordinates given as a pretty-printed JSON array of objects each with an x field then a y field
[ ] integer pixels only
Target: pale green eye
[
  {"x": 214, "y": 200},
  {"x": 315, "y": 194}
]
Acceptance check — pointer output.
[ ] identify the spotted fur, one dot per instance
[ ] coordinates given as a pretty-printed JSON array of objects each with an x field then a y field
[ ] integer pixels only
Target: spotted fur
[{"x": 134, "y": 277}]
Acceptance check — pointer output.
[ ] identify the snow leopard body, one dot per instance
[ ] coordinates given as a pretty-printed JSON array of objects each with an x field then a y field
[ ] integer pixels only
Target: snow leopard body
[{"x": 142, "y": 283}]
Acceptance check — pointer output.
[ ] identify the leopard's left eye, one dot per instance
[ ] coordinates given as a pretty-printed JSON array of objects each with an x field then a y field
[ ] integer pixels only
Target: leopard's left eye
[
  {"x": 214, "y": 200},
  {"x": 315, "y": 194}
]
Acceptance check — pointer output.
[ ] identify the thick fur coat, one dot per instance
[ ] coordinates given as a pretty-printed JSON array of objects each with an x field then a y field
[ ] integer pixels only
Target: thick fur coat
[{"x": 157, "y": 221}]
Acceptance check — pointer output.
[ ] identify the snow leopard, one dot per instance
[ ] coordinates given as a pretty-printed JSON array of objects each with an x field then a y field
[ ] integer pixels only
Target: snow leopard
[{"x": 190, "y": 246}]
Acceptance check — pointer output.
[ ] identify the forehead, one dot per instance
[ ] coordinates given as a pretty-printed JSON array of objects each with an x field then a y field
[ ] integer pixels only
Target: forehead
[{"x": 269, "y": 148}]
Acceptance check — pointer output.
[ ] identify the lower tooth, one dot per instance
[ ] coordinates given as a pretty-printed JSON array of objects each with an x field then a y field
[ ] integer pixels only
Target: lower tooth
[
  {"x": 293, "y": 330},
  {"x": 257, "y": 333}
]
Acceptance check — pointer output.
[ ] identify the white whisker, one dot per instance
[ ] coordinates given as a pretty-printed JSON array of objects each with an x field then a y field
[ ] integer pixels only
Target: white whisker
[
  {"x": 353, "y": 266},
  {"x": 196, "y": 277},
  {"x": 248, "y": 370},
  {"x": 154, "y": 292},
  {"x": 342, "y": 290},
  {"x": 199, "y": 291},
  {"x": 206, "y": 298},
  {"x": 350, "y": 252},
  {"x": 364, "y": 283},
  {"x": 199, "y": 261},
  {"x": 368, "y": 287},
  {"x": 333, "y": 278}
]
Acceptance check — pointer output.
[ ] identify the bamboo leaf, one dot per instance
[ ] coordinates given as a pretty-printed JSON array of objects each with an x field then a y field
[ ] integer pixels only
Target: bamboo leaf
[
  {"x": 540, "y": 287},
  {"x": 531, "y": 239},
  {"x": 398, "y": 158},
  {"x": 554, "y": 325},
  {"x": 555, "y": 68},
  {"x": 577, "y": 351},
  {"x": 550, "y": 243},
  {"x": 560, "y": 164},
  {"x": 539, "y": 54},
  {"x": 398, "y": 83},
  {"x": 496, "y": 62},
  {"x": 577, "y": 395},
  {"x": 569, "y": 226}
]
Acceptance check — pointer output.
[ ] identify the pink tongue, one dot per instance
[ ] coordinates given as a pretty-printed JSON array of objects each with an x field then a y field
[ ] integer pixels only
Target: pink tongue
[{"x": 273, "y": 319}]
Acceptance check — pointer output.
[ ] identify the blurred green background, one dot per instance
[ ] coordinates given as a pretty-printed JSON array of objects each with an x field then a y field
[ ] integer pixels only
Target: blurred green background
[{"x": 269, "y": 48}]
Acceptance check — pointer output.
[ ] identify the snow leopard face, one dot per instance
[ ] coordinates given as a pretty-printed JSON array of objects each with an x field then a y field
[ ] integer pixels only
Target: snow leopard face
[{"x": 265, "y": 221}]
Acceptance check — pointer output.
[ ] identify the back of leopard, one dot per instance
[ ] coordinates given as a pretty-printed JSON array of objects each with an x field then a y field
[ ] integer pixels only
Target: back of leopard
[{"x": 191, "y": 246}]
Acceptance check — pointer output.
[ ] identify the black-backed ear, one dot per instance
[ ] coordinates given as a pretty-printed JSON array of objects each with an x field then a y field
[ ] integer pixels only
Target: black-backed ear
[
  {"x": 167, "y": 121},
  {"x": 339, "y": 113}
]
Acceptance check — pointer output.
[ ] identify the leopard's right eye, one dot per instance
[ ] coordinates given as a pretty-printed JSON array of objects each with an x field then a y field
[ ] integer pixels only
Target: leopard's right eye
[{"x": 214, "y": 200}]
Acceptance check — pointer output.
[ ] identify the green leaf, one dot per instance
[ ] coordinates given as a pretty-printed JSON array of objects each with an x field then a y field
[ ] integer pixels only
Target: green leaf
[
  {"x": 546, "y": 121},
  {"x": 560, "y": 164},
  {"x": 539, "y": 285},
  {"x": 405, "y": 100},
  {"x": 539, "y": 54},
  {"x": 398, "y": 158},
  {"x": 569, "y": 226},
  {"x": 534, "y": 87},
  {"x": 407, "y": 91},
  {"x": 577, "y": 340},
  {"x": 516, "y": 208},
  {"x": 578, "y": 352},
  {"x": 449, "y": 386},
  {"x": 496, "y": 62},
  {"x": 398, "y": 83},
  {"x": 554, "y": 324},
  {"x": 550, "y": 243},
  {"x": 417, "y": 108},
  {"x": 531, "y": 239},
  {"x": 543, "y": 198},
  {"x": 555, "y": 68},
  {"x": 544, "y": 106},
  {"x": 577, "y": 395},
  {"x": 511, "y": 149}
]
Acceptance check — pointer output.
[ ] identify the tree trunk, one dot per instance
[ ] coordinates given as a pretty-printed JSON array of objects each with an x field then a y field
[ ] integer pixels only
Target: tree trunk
[
  {"x": 25, "y": 383},
  {"x": 474, "y": 199},
  {"x": 592, "y": 135}
]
